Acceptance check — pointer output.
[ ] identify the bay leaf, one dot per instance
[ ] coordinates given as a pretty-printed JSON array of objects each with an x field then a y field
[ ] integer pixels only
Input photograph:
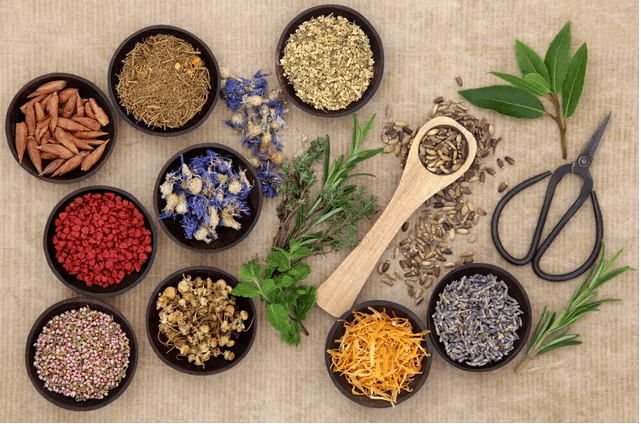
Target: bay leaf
[
  {"x": 557, "y": 58},
  {"x": 573, "y": 84},
  {"x": 506, "y": 100},
  {"x": 530, "y": 62},
  {"x": 532, "y": 86}
]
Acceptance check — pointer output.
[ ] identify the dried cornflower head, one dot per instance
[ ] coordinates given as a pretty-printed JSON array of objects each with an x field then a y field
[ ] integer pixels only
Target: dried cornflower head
[{"x": 200, "y": 319}]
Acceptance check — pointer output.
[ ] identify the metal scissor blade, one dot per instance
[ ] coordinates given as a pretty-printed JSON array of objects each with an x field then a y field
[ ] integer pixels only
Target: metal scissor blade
[{"x": 592, "y": 146}]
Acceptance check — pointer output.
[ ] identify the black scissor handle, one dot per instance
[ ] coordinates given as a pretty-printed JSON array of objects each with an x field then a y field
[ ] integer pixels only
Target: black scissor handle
[
  {"x": 497, "y": 214},
  {"x": 535, "y": 251},
  {"x": 548, "y": 241}
]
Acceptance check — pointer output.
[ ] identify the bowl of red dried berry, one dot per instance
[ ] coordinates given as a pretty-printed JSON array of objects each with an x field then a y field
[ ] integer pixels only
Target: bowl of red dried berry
[
  {"x": 79, "y": 380},
  {"x": 100, "y": 241}
]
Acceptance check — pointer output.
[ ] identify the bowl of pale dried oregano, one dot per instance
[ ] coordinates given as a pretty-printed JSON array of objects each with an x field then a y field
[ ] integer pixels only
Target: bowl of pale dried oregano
[{"x": 329, "y": 61}]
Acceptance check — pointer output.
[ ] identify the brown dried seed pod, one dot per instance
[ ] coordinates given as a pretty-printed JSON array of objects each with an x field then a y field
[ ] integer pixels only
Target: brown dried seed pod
[
  {"x": 93, "y": 157},
  {"x": 40, "y": 113},
  {"x": 48, "y": 87},
  {"x": 34, "y": 153},
  {"x": 52, "y": 108},
  {"x": 66, "y": 94},
  {"x": 62, "y": 138},
  {"x": 53, "y": 165},
  {"x": 71, "y": 125},
  {"x": 69, "y": 106},
  {"x": 30, "y": 119},
  {"x": 69, "y": 165},
  {"x": 90, "y": 123},
  {"x": 100, "y": 114},
  {"x": 57, "y": 149},
  {"x": 21, "y": 139},
  {"x": 80, "y": 107},
  {"x": 89, "y": 134}
]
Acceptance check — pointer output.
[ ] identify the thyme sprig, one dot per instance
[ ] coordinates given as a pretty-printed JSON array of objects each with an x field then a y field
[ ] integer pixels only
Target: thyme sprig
[
  {"x": 551, "y": 332},
  {"x": 309, "y": 225}
]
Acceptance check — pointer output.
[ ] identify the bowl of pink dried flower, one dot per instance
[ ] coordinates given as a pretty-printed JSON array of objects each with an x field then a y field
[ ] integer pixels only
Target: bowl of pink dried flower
[{"x": 81, "y": 354}]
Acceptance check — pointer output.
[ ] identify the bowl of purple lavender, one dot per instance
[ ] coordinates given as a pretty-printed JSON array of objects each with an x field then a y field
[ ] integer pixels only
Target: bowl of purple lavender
[
  {"x": 479, "y": 317},
  {"x": 81, "y": 354},
  {"x": 208, "y": 198}
]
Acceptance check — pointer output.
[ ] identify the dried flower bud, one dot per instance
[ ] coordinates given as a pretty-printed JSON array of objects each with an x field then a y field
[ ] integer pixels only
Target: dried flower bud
[
  {"x": 244, "y": 315},
  {"x": 193, "y": 185},
  {"x": 181, "y": 207},
  {"x": 182, "y": 303},
  {"x": 224, "y": 73},
  {"x": 183, "y": 286},
  {"x": 184, "y": 349},
  {"x": 204, "y": 328},
  {"x": 235, "y": 187},
  {"x": 231, "y": 343},
  {"x": 229, "y": 355},
  {"x": 172, "y": 202},
  {"x": 229, "y": 310},
  {"x": 186, "y": 171},
  {"x": 170, "y": 292},
  {"x": 253, "y": 100}
]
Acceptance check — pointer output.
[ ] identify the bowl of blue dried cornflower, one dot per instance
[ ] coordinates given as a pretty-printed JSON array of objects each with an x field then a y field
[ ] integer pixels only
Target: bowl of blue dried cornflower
[
  {"x": 329, "y": 61},
  {"x": 208, "y": 198},
  {"x": 479, "y": 317}
]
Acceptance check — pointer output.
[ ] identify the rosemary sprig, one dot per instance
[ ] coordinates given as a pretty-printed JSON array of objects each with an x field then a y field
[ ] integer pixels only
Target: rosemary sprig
[
  {"x": 309, "y": 225},
  {"x": 551, "y": 332}
]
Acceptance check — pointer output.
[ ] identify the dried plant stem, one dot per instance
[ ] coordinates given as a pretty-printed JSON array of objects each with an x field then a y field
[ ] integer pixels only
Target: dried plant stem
[{"x": 560, "y": 121}]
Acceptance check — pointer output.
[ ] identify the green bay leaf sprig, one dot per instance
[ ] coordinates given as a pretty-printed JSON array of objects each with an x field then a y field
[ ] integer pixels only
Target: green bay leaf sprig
[
  {"x": 309, "y": 225},
  {"x": 551, "y": 332},
  {"x": 556, "y": 79}
]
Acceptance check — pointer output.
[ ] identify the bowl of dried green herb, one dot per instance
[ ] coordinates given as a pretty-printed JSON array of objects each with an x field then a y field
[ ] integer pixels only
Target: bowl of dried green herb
[
  {"x": 72, "y": 374},
  {"x": 394, "y": 370},
  {"x": 195, "y": 326},
  {"x": 479, "y": 317},
  {"x": 164, "y": 80},
  {"x": 61, "y": 128},
  {"x": 207, "y": 198},
  {"x": 329, "y": 61}
]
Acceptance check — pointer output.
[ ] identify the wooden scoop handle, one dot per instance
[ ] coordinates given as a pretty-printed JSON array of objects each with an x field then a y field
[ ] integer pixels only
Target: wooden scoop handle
[{"x": 339, "y": 291}]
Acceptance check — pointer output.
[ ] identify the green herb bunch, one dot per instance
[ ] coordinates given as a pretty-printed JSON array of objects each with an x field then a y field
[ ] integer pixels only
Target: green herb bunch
[
  {"x": 551, "y": 332},
  {"x": 309, "y": 225},
  {"x": 557, "y": 79}
]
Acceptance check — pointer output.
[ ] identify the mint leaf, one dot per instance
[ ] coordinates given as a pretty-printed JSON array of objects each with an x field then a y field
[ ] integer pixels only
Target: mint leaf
[
  {"x": 300, "y": 252},
  {"x": 292, "y": 337},
  {"x": 267, "y": 287},
  {"x": 279, "y": 259},
  {"x": 506, "y": 100},
  {"x": 530, "y": 62},
  {"x": 278, "y": 318},
  {"x": 284, "y": 280},
  {"x": 300, "y": 271},
  {"x": 249, "y": 273},
  {"x": 523, "y": 84},
  {"x": 305, "y": 302},
  {"x": 245, "y": 290},
  {"x": 557, "y": 58},
  {"x": 573, "y": 84}
]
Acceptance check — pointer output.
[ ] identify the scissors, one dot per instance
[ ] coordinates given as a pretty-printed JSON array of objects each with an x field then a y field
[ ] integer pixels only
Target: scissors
[{"x": 578, "y": 167}]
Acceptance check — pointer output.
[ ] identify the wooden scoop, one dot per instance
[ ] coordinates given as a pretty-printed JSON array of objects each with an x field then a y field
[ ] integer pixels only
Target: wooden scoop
[{"x": 337, "y": 294}]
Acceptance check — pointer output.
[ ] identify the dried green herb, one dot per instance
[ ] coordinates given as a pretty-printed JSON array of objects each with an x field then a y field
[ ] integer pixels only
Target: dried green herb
[
  {"x": 551, "y": 332},
  {"x": 309, "y": 225},
  {"x": 163, "y": 82},
  {"x": 540, "y": 79}
]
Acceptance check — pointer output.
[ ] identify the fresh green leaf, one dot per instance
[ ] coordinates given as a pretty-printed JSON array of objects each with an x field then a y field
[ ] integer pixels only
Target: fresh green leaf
[
  {"x": 556, "y": 346},
  {"x": 245, "y": 290},
  {"x": 278, "y": 317},
  {"x": 268, "y": 287},
  {"x": 284, "y": 280},
  {"x": 300, "y": 271},
  {"x": 525, "y": 85},
  {"x": 506, "y": 100},
  {"x": 573, "y": 84},
  {"x": 279, "y": 259},
  {"x": 305, "y": 302},
  {"x": 530, "y": 62},
  {"x": 539, "y": 81},
  {"x": 557, "y": 58},
  {"x": 249, "y": 273},
  {"x": 292, "y": 337}
]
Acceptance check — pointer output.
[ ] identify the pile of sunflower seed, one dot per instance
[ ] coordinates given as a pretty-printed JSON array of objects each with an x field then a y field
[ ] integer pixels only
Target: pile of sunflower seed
[
  {"x": 446, "y": 214},
  {"x": 476, "y": 320},
  {"x": 443, "y": 150}
]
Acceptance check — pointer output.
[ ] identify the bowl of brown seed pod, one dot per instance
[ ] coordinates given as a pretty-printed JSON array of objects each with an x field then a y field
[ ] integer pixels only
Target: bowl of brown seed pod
[
  {"x": 195, "y": 326},
  {"x": 329, "y": 61},
  {"x": 164, "y": 81},
  {"x": 60, "y": 128}
]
